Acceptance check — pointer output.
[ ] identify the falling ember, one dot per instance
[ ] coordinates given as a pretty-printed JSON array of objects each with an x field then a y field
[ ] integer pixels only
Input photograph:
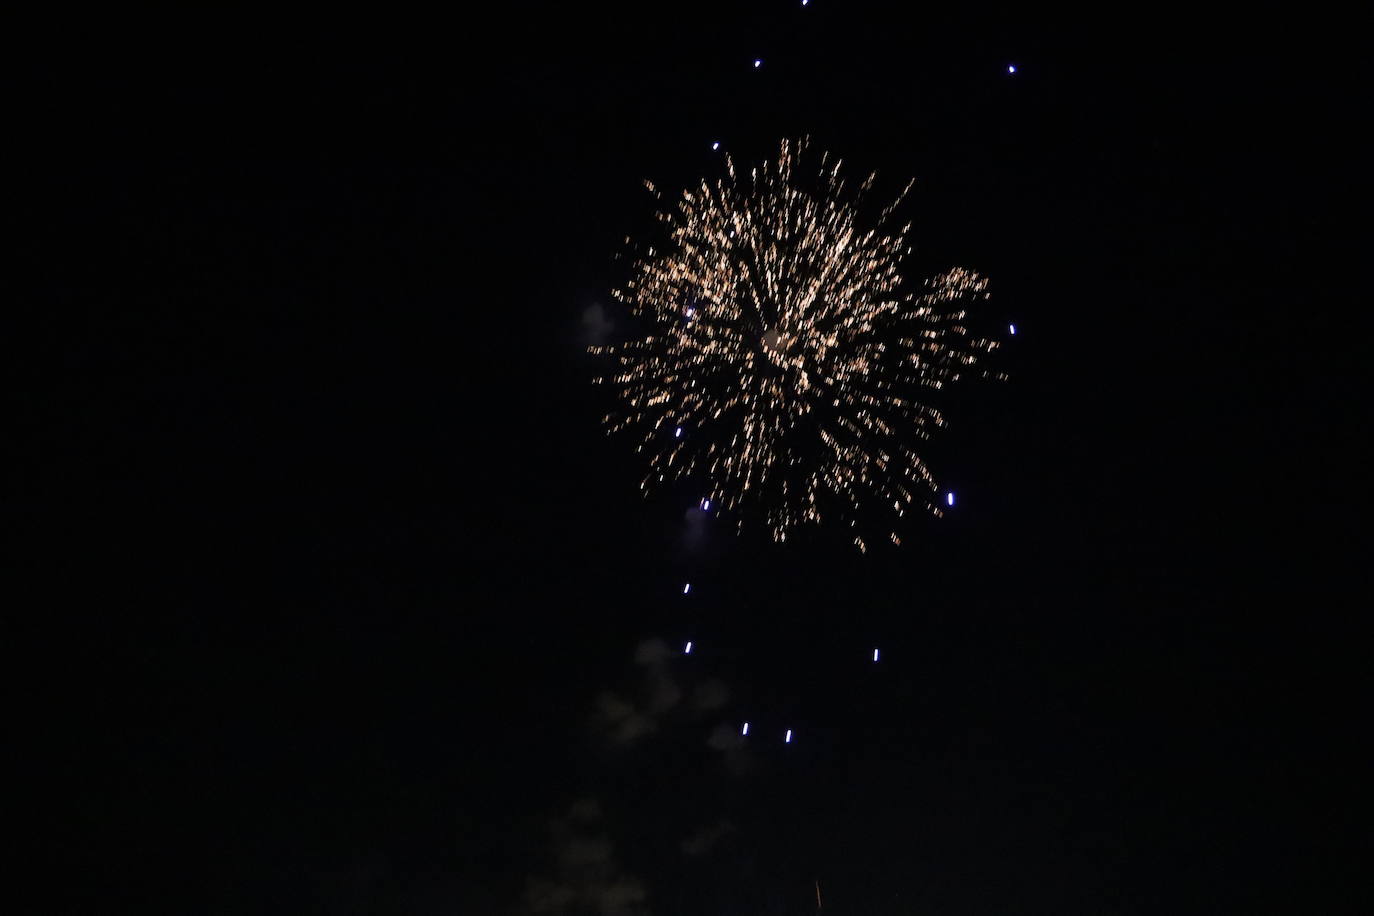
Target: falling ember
[{"x": 808, "y": 365}]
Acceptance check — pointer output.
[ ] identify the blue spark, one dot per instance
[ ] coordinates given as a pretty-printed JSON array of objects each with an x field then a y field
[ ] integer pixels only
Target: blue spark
[
  {"x": 788, "y": 738},
  {"x": 687, "y": 588},
  {"x": 745, "y": 730},
  {"x": 688, "y": 650},
  {"x": 949, "y": 498},
  {"x": 1011, "y": 68},
  {"x": 715, "y": 145},
  {"x": 758, "y": 62},
  {"x": 875, "y": 655},
  {"x": 678, "y": 433},
  {"x": 706, "y": 505},
  {"x": 1012, "y": 328}
]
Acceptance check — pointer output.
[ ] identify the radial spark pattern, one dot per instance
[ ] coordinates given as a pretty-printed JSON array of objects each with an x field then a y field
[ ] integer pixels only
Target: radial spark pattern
[{"x": 783, "y": 362}]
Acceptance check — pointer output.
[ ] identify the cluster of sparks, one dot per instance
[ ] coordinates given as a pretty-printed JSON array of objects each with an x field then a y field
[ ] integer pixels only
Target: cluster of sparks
[{"x": 784, "y": 360}]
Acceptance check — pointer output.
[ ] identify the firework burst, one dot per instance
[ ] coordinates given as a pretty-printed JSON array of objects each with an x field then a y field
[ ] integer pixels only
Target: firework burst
[{"x": 784, "y": 363}]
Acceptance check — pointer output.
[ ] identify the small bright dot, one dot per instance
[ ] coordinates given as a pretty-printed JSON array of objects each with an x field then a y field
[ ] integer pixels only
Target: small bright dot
[
  {"x": 1011, "y": 68},
  {"x": 715, "y": 145},
  {"x": 678, "y": 433},
  {"x": 1012, "y": 328},
  {"x": 875, "y": 655},
  {"x": 687, "y": 588},
  {"x": 949, "y": 498},
  {"x": 758, "y": 62},
  {"x": 745, "y": 730},
  {"x": 688, "y": 650},
  {"x": 788, "y": 739},
  {"x": 706, "y": 505}
]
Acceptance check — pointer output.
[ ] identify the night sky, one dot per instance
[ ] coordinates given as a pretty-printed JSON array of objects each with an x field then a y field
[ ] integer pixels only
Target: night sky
[{"x": 334, "y": 597}]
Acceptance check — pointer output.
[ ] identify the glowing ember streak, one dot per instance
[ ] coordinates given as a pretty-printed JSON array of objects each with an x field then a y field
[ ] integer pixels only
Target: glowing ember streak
[{"x": 807, "y": 367}]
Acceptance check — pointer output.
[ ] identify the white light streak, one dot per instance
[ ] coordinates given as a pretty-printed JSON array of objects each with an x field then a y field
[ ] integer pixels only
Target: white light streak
[
  {"x": 745, "y": 730},
  {"x": 788, "y": 738},
  {"x": 687, "y": 588},
  {"x": 688, "y": 650},
  {"x": 949, "y": 498},
  {"x": 1012, "y": 328},
  {"x": 1011, "y": 68},
  {"x": 875, "y": 655},
  {"x": 758, "y": 62}
]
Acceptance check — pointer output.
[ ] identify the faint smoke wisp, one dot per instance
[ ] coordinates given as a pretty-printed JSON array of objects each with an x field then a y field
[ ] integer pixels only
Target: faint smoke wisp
[
  {"x": 596, "y": 325},
  {"x": 586, "y": 875},
  {"x": 706, "y": 838}
]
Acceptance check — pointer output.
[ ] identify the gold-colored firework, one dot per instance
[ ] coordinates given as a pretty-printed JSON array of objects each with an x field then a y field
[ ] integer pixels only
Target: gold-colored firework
[{"x": 783, "y": 360}]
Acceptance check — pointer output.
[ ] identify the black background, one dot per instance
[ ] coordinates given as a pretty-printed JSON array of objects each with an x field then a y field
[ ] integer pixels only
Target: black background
[{"x": 323, "y": 556}]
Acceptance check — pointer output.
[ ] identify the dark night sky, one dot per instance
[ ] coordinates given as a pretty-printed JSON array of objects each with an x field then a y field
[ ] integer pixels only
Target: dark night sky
[{"x": 326, "y": 564}]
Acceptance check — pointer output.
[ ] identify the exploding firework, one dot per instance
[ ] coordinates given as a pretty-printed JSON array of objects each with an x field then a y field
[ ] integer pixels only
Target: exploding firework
[{"x": 783, "y": 362}]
